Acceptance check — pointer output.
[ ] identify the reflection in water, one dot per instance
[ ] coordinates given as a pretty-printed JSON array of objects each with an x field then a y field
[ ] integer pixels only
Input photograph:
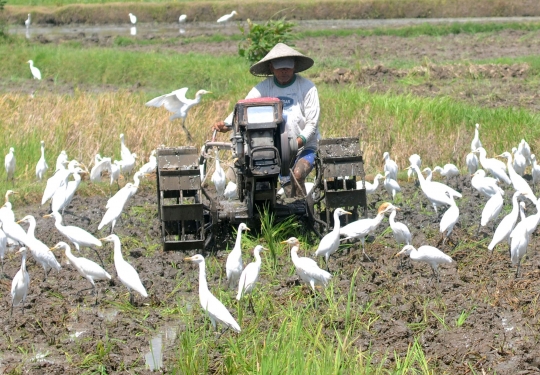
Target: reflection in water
[
  {"x": 154, "y": 358},
  {"x": 133, "y": 30}
]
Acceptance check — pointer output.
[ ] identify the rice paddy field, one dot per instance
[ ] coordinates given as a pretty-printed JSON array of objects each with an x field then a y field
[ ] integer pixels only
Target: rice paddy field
[{"x": 417, "y": 88}]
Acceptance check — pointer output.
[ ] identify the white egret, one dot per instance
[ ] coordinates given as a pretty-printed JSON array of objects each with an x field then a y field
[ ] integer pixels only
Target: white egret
[
  {"x": 3, "y": 245},
  {"x": 370, "y": 188},
  {"x": 230, "y": 191},
  {"x": 392, "y": 187},
  {"x": 449, "y": 220},
  {"x": 234, "y": 265},
  {"x": 10, "y": 164},
  {"x": 427, "y": 254},
  {"x": 249, "y": 276},
  {"x": 401, "y": 232},
  {"x": 535, "y": 170},
  {"x": 525, "y": 150},
  {"x": 390, "y": 166},
  {"x": 115, "y": 205},
  {"x": 507, "y": 224},
  {"x": 472, "y": 162},
  {"x": 88, "y": 269},
  {"x": 41, "y": 166},
  {"x": 519, "y": 162},
  {"x": 182, "y": 18},
  {"x": 414, "y": 159},
  {"x": 38, "y": 249},
  {"x": 487, "y": 186},
  {"x": 475, "y": 143},
  {"x": 436, "y": 193},
  {"x": 519, "y": 240},
  {"x": 132, "y": 18},
  {"x": 227, "y": 17},
  {"x": 448, "y": 170},
  {"x": 217, "y": 312},
  {"x": 518, "y": 182},
  {"x": 151, "y": 165},
  {"x": 218, "y": 177},
  {"x": 177, "y": 103},
  {"x": 13, "y": 230},
  {"x": 363, "y": 227},
  {"x": 6, "y": 211},
  {"x": 130, "y": 189},
  {"x": 101, "y": 165},
  {"x": 522, "y": 209},
  {"x": 330, "y": 242},
  {"x": 27, "y": 21},
  {"x": 128, "y": 159},
  {"x": 491, "y": 210},
  {"x": 78, "y": 236},
  {"x": 493, "y": 166},
  {"x": 126, "y": 273},
  {"x": 61, "y": 159},
  {"x": 35, "y": 71},
  {"x": 20, "y": 283},
  {"x": 429, "y": 174},
  {"x": 62, "y": 197},
  {"x": 306, "y": 268},
  {"x": 59, "y": 180}
]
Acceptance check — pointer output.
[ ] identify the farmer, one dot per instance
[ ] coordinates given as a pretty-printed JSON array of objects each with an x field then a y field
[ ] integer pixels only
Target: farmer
[{"x": 300, "y": 105}]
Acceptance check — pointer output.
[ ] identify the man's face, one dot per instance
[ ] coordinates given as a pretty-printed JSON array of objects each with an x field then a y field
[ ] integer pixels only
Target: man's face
[{"x": 284, "y": 75}]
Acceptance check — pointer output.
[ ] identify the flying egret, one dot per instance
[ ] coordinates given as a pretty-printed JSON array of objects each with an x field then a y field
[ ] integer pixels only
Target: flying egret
[
  {"x": 218, "y": 177},
  {"x": 62, "y": 197},
  {"x": 306, "y": 268},
  {"x": 78, "y": 236},
  {"x": 370, "y": 188},
  {"x": 414, "y": 159},
  {"x": 507, "y": 224},
  {"x": 518, "y": 182},
  {"x": 38, "y": 249},
  {"x": 448, "y": 220},
  {"x": 448, "y": 170},
  {"x": 428, "y": 254},
  {"x": 363, "y": 227},
  {"x": 182, "y": 18},
  {"x": 330, "y": 242},
  {"x": 493, "y": 166},
  {"x": 20, "y": 283},
  {"x": 392, "y": 187},
  {"x": 88, "y": 269},
  {"x": 9, "y": 164},
  {"x": 177, "y": 103},
  {"x": 234, "y": 266},
  {"x": 132, "y": 18},
  {"x": 227, "y": 17},
  {"x": 151, "y": 165},
  {"x": 472, "y": 163},
  {"x": 27, "y": 21},
  {"x": 249, "y": 276},
  {"x": 126, "y": 273},
  {"x": 475, "y": 143},
  {"x": 216, "y": 311},
  {"x": 519, "y": 162},
  {"x": 390, "y": 166},
  {"x": 487, "y": 186},
  {"x": 535, "y": 170},
  {"x": 41, "y": 166},
  {"x": 491, "y": 210}
]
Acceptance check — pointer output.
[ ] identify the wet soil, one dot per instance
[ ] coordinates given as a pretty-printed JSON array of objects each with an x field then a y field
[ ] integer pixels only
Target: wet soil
[{"x": 499, "y": 333}]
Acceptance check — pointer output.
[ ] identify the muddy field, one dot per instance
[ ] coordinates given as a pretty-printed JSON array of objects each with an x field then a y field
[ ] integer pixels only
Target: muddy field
[{"x": 60, "y": 330}]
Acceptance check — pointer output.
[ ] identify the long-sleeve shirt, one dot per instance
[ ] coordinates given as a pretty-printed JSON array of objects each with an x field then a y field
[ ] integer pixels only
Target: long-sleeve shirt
[{"x": 300, "y": 106}]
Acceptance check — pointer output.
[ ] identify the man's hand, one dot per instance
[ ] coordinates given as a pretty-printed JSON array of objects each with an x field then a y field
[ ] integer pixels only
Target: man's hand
[{"x": 221, "y": 127}]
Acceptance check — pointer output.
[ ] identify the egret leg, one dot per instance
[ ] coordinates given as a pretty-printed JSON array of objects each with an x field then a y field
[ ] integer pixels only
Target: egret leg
[
  {"x": 222, "y": 332},
  {"x": 326, "y": 262},
  {"x": 251, "y": 304},
  {"x": 99, "y": 256},
  {"x": 131, "y": 299},
  {"x": 517, "y": 270},
  {"x": 189, "y": 137},
  {"x": 364, "y": 251}
]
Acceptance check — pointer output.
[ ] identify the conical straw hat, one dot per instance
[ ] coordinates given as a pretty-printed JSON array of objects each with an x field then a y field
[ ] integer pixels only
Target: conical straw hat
[{"x": 262, "y": 67}]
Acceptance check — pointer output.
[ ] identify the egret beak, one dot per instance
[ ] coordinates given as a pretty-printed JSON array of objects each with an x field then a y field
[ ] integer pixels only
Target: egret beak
[
  {"x": 398, "y": 254},
  {"x": 48, "y": 215},
  {"x": 347, "y": 212},
  {"x": 187, "y": 259},
  {"x": 283, "y": 242},
  {"x": 397, "y": 208},
  {"x": 248, "y": 229},
  {"x": 21, "y": 250}
]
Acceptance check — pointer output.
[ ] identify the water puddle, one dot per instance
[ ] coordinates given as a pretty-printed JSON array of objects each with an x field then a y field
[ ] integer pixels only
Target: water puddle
[{"x": 154, "y": 358}]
